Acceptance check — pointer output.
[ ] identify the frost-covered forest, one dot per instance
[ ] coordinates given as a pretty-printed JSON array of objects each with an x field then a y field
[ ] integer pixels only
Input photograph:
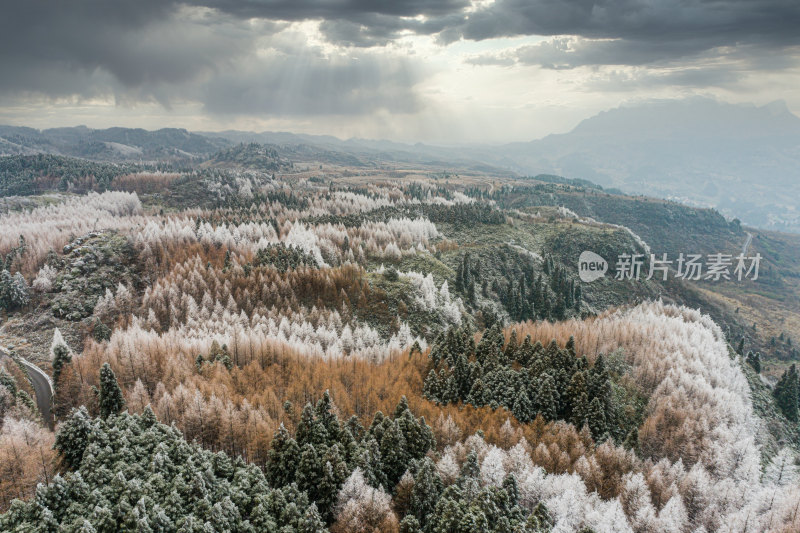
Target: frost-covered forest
[{"x": 277, "y": 349}]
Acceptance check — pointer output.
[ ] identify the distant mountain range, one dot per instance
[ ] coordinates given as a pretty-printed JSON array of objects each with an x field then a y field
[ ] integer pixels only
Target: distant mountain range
[
  {"x": 109, "y": 144},
  {"x": 743, "y": 160}
]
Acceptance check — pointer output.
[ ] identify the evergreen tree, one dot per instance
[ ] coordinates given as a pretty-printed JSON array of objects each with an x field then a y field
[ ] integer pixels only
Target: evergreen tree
[
  {"x": 462, "y": 377},
  {"x": 427, "y": 489},
  {"x": 61, "y": 358},
  {"x": 326, "y": 416},
  {"x": 471, "y": 469},
  {"x": 110, "y": 396},
  {"x": 540, "y": 520},
  {"x": 73, "y": 437},
  {"x": 371, "y": 464},
  {"x": 580, "y": 411},
  {"x": 575, "y": 390},
  {"x": 596, "y": 419},
  {"x": 786, "y": 393},
  {"x": 310, "y": 430},
  {"x": 754, "y": 360},
  {"x": 478, "y": 394},
  {"x": 523, "y": 408},
  {"x": 282, "y": 459},
  {"x": 309, "y": 471},
  {"x": 20, "y": 292},
  {"x": 410, "y": 524},
  {"x": 547, "y": 400},
  {"x": 393, "y": 453},
  {"x": 511, "y": 488}
]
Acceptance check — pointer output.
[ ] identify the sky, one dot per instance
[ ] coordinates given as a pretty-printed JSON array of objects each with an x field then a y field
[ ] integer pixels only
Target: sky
[{"x": 441, "y": 71}]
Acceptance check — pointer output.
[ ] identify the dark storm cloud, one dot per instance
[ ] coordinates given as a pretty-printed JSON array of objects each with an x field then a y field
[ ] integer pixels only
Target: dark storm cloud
[
  {"x": 634, "y": 32},
  {"x": 87, "y": 47},
  {"x": 213, "y": 51},
  {"x": 679, "y": 25},
  {"x": 710, "y": 22},
  {"x": 294, "y": 10},
  {"x": 157, "y": 51}
]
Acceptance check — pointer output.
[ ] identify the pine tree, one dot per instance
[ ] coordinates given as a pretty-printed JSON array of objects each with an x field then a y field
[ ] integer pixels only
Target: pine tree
[
  {"x": 282, "y": 459},
  {"x": 393, "y": 454},
  {"x": 462, "y": 377},
  {"x": 410, "y": 524},
  {"x": 580, "y": 411},
  {"x": 522, "y": 408},
  {"x": 20, "y": 292},
  {"x": 597, "y": 419},
  {"x": 754, "y": 360},
  {"x": 73, "y": 437},
  {"x": 540, "y": 520},
  {"x": 328, "y": 488},
  {"x": 427, "y": 489},
  {"x": 511, "y": 347},
  {"x": 309, "y": 429},
  {"x": 477, "y": 396},
  {"x": 786, "y": 393},
  {"x": 471, "y": 468},
  {"x": 432, "y": 388},
  {"x": 6, "y": 300},
  {"x": 325, "y": 412},
  {"x": 61, "y": 358},
  {"x": 546, "y": 401},
  {"x": 309, "y": 471},
  {"x": 371, "y": 464},
  {"x": 570, "y": 346},
  {"x": 111, "y": 400},
  {"x": 575, "y": 389}
]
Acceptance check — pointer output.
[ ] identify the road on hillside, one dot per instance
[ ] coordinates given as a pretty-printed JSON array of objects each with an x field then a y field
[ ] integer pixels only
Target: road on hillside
[
  {"x": 41, "y": 387},
  {"x": 747, "y": 243}
]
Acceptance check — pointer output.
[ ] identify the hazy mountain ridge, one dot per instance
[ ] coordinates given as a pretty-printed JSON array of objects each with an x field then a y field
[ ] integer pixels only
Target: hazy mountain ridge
[
  {"x": 109, "y": 144},
  {"x": 743, "y": 160}
]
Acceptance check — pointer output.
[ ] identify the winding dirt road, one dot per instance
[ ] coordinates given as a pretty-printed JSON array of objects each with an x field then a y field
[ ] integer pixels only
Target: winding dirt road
[{"x": 42, "y": 387}]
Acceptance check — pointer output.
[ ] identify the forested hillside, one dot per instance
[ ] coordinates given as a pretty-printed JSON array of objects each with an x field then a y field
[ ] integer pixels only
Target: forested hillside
[{"x": 251, "y": 343}]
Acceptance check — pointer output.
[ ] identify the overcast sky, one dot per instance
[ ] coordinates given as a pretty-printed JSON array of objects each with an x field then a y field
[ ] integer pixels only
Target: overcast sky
[{"x": 417, "y": 70}]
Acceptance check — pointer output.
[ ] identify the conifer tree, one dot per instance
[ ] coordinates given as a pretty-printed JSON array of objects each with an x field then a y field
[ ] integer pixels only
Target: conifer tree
[
  {"x": 754, "y": 360},
  {"x": 61, "y": 358},
  {"x": 110, "y": 396},
  {"x": 596, "y": 419},
  {"x": 471, "y": 468},
  {"x": 326, "y": 416},
  {"x": 282, "y": 459},
  {"x": 740, "y": 347},
  {"x": 522, "y": 407},
  {"x": 309, "y": 471},
  {"x": 547, "y": 400},
  {"x": 410, "y": 524},
  {"x": 393, "y": 453},
  {"x": 786, "y": 393},
  {"x": 73, "y": 437},
  {"x": 478, "y": 394},
  {"x": 580, "y": 411},
  {"x": 426, "y": 491}
]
